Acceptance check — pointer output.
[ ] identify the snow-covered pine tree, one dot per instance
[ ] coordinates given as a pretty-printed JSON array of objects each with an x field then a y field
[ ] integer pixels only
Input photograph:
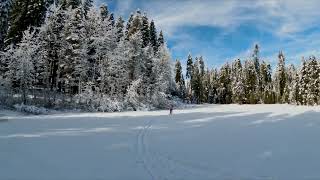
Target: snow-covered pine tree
[
  {"x": 145, "y": 31},
  {"x": 164, "y": 80},
  {"x": 256, "y": 60},
  {"x": 266, "y": 83},
  {"x": 74, "y": 67},
  {"x": 178, "y": 71},
  {"x": 255, "y": 57},
  {"x": 213, "y": 86},
  {"x": 25, "y": 14},
  {"x": 251, "y": 82},
  {"x": 120, "y": 29},
  {"x": 206, "y": 84},
  {"x": 128, "y": 26},
  {"x": 21, "y": 72},
  {"x": 292, "y": 82},
  {"x": 179, "y": 79},
  {"x": 5, "y": 6},
  {"x": 148, "y": 73},
  {"x": 104, "y": 43},
  {"x": 238, "y": 90},
  {"x": 303, "y": 83},
  {"x": 104, "y": 12},
  {"x": 118, "y": 80},
  {"x": 313, "y": 72},
  {"x": 189, "y": 67},
  {"x": 111, "y": 20},
  {"x": 195, "y": 82},
  {"x": 160, "y": 39},
  {"x": 280, "y": 78},
  {"x": 135, "y": 24},
  {"x": 153, "y": 36},
  {"x": 135, "y": 63},
  {"x": 224, "y": 87},
  {"x": 201, "y": 79}
]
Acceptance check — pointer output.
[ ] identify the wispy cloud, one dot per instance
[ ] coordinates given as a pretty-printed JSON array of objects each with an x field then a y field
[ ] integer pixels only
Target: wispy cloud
[
  {"x": 284, "y": 25},
  {"x": 282, "y": 17}
]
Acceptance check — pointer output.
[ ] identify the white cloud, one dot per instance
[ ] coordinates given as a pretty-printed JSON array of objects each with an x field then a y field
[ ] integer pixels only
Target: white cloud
[
  {"x": 282, "y": 17},
  {"x": 285, "y": 19}
]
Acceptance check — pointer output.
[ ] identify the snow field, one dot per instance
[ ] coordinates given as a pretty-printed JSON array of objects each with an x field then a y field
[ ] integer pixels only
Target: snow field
[{"x": 217, "y": 142}]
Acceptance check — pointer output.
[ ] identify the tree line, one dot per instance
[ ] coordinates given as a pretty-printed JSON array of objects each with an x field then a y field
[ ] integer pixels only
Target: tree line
[
  {"x": 67, "y": 54},
  {"x": 250, "y": 82}
]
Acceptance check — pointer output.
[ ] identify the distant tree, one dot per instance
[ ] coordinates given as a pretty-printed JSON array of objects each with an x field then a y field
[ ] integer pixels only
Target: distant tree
[
  {"x": 224, "y": 87},
  {"x": 280, "y": 78},
  {"x": 145, "y": 31},
  {"x": 189, "y": 67},
  {"x": 120, "y": 29},
  {"x": 5, "y": 6},
  {"x": 153, "y": 36},
  {"x": 238, "y": 87},
  {"x": 303, "y": 83},
  {"x": 104, "y": 12},
  {"x": 251, "y": 82},
  {"x": 313, "y": 72},
  {"x": 111, "y": 19},
  {"x": 160, "y": 39},
  {"x": 256, "y": 59}
]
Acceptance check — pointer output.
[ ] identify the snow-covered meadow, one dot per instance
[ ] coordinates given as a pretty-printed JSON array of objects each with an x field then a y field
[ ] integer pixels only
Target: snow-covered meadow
[{"x": 219, "y": 142}]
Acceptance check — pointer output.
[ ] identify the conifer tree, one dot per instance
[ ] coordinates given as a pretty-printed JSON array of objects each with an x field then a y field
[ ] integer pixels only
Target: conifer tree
[
  {"x": 111, "y": 20},
  {"x": 291, "y": 84},
  {"x": 135, "y": 25},
  {"x": 313, "y": 84},
  {"x": 303, "y": 83},
  {"x": 120, "y": 29},
  {"x": 145, "y": 31},
  {"x": 224, "y": 90},
  {"x": 5, "y": 6},
  {"x": 178, "y": 71},
  {"x": 104, "y": 12},
  {"x": 179, "y": 79},
  {"x": 128, "y": 26},
  {"x": 25, "y": 14},
  {"x": 266, "y": 83},
  {"x": 251, "y": 82},
  {"x": 189, "y": 67},
  {"x": 196, "y": 82},
  {"x": 153, "y": 36},
  {"x": 160, "y": 39},
  {"x": 202, "y": 66},
  {"x": 256, "y": 59},
  {"x": 280, "y": 78},
  {"x": 238, "y": 88}
]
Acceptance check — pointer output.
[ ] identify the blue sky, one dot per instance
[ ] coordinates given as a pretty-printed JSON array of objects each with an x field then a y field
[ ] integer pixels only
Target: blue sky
[{"x": 223, "y": 30}]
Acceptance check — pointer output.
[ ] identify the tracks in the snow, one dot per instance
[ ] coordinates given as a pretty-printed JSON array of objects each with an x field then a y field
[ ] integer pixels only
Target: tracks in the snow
[
  {"x": 142, "y": 149},
  {"x": 161, "y": 166}
]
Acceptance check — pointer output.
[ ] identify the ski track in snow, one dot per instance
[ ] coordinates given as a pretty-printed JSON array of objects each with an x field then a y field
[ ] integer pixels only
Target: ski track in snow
[{"x": 142, "y": 150}]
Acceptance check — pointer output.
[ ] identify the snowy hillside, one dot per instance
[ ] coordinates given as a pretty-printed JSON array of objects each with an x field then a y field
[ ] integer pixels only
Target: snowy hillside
[{"x": 252, "y": 142}]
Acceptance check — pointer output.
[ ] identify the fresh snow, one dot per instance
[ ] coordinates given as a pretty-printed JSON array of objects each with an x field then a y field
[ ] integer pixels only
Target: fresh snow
[{"x": 233, "y": 142}]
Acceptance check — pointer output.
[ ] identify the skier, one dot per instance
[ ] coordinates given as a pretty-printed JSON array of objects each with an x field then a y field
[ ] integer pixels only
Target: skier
[{"x": 171, "y": 109}]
